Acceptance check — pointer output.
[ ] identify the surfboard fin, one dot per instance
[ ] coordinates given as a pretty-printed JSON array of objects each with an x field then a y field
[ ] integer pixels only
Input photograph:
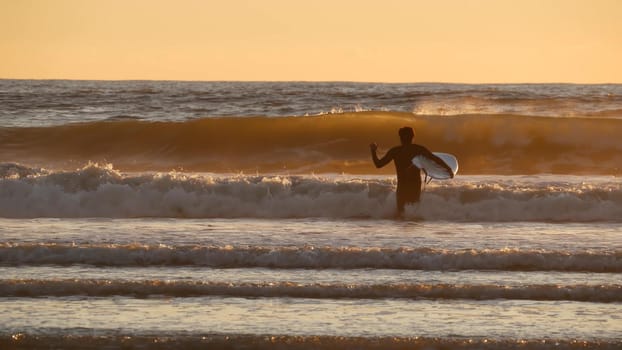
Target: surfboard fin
[{"x": 428, "y": 179}]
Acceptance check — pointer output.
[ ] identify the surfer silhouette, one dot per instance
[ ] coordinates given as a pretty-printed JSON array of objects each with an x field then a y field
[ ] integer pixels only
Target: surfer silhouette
[{"x": 408, "y": 175}]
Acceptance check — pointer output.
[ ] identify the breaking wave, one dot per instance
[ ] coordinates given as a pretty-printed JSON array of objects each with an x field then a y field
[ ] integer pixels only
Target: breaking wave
[{"x": 336, "y": 143}]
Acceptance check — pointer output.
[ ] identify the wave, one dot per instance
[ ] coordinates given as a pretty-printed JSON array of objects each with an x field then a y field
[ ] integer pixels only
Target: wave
[
  {"x": 60, "y": 102},
  {"x": 102, "y": 191},
  {"x": 519, "y": 104},
  {"x": 484, "y": 144},
  {"x": 90, "y": 339},
  {"x": 107, "y": 288},
  {"x": 310, "y": 257}
]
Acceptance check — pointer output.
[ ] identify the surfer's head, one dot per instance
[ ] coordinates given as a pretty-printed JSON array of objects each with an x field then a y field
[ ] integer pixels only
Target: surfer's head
[{"x": 406, "y": 135}]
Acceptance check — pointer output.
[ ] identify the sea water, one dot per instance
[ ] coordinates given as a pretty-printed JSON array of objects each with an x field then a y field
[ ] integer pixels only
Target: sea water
[{"x": 135, "y": 214}]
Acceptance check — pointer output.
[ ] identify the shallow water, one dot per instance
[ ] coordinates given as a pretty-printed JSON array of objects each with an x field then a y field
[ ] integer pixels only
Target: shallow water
[
  {"x": 183, "y": 237},
  {"x": 117, "y": 276}
]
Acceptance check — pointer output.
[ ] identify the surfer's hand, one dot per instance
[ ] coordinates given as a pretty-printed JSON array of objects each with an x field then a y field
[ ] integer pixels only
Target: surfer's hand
[
  {"x": 451, "y": 172},
  {"x": 373, "y": 146}
]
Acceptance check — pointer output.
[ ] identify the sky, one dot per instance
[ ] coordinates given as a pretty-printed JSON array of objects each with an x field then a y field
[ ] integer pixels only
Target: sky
[{"x": 464, "y": 41}]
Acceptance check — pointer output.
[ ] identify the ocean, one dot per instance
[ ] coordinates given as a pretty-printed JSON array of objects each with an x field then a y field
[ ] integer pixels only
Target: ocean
[{"x": 169, "y": 214}]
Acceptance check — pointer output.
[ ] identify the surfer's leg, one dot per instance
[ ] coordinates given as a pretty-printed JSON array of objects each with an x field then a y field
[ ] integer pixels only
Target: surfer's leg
[{"x": 407, "y": 195}]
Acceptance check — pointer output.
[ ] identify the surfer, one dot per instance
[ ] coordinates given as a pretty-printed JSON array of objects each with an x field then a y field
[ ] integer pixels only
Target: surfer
[{"x": 408, "y": 175}]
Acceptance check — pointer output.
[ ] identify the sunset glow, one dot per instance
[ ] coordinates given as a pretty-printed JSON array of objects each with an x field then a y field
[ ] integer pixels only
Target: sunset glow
[{"x": 480, "y": 41}]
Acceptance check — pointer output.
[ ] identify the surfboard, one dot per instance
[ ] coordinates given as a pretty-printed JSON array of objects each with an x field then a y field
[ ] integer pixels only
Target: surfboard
[{"x": 433, "y": 169}]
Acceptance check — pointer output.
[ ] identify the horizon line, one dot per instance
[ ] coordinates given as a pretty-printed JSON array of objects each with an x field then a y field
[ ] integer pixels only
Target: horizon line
[{"x": 312, "y": 81}]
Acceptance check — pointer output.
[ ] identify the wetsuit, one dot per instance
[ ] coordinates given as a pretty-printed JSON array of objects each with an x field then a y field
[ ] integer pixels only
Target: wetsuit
[{"x": 408, "y": 175}]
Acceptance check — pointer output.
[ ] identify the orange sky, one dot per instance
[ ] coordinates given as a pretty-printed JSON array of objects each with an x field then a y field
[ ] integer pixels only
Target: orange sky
[{"x": 478, "y": 41}]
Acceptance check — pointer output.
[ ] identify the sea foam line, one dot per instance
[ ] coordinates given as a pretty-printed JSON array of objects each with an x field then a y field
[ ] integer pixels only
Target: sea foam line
[
  {"x": 12, "y": 254},
  {"x": 78, "y": 340},
  {"x": 106, "y": 288}
]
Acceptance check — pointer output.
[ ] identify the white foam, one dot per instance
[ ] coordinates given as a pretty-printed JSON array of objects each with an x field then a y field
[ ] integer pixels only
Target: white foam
[{"x": 101, "y": 191}]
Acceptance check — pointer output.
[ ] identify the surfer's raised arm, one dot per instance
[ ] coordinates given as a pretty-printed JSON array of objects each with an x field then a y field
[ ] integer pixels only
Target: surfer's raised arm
[{"x": 379, "y": 163}]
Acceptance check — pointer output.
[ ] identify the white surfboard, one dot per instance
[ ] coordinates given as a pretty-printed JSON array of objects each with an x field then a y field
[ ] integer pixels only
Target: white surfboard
[{"x": 433, "y": 169}]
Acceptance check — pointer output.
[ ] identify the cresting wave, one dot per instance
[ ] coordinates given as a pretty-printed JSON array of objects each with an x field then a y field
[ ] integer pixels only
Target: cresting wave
[
  {"x": 246, "y": 341},
  {"x": 484, "y": 144},
  {"x": 102, "y": 191},
  {"x": 13, "y": 254},
  {"x": 107, "y": 288}
]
